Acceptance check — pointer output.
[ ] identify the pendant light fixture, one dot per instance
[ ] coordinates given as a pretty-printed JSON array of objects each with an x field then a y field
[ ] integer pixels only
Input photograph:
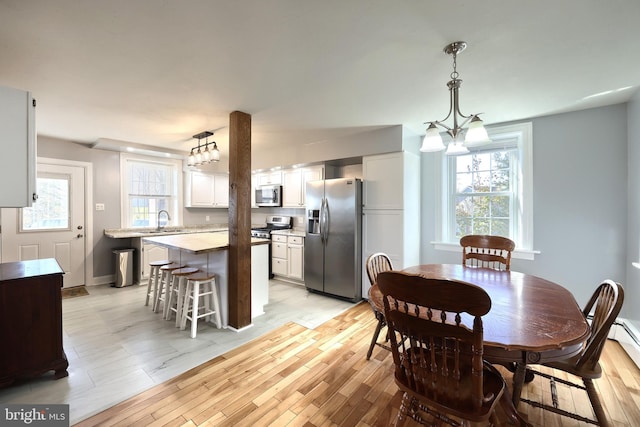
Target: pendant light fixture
[
  {"x": 197, "y": 156},
  {"x": 473, "y": 135}
]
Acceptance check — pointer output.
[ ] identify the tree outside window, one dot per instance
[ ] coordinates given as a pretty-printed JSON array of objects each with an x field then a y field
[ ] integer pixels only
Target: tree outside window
[
  {"x": 489, "y": 190},
  {"x": 483, "y": 196}
]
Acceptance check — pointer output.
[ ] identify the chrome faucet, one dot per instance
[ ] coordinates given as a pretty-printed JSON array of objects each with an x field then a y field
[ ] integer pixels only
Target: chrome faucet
[{"x": 168, "y": 217}]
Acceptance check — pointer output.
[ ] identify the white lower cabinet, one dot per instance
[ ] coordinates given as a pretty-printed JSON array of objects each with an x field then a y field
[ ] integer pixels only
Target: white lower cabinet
[
  {"x": 287, "y": 256},
  {"x": 295, "y": 252},
  {"x": 146, "y": 253},
  {"x": 279, "y": 257},
  {"x": 382, "y": 231}
]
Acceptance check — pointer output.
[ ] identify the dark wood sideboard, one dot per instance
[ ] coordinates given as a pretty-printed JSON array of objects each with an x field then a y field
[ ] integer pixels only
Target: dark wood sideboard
[{"x": 31, "y": 320}]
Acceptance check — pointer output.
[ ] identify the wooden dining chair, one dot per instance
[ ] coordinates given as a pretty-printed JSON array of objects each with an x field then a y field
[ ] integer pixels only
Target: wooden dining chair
[
  {"x": 376, "y": 264},
  {"x": 602, "y": 309},
  {"x": 486, "y": 251},
  {"x": 437, "y": 355}
]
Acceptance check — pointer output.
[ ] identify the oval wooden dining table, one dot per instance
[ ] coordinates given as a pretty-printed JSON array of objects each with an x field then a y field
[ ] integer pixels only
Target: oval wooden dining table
[{"x": 532, "y": 320}]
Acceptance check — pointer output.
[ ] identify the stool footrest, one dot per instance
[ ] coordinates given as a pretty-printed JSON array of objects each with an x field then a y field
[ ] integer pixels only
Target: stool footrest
[{"x": 201, "y": 289}]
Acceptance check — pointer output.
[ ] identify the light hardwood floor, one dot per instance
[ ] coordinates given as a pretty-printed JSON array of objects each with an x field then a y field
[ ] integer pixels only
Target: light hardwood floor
[
  {"x": 118, "y": 348},
  {"x": 296, "y": 376}
]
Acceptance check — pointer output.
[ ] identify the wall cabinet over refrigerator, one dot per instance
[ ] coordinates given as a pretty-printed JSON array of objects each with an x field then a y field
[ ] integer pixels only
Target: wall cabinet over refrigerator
[
  {"x": 18, "y": 145},
  {"x": 207, "y": 190},
  {"x": 294, "y": 184}
]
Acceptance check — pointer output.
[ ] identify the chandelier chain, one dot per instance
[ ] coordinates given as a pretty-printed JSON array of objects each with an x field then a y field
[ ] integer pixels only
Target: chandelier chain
[{"x": 454, "y": 73}]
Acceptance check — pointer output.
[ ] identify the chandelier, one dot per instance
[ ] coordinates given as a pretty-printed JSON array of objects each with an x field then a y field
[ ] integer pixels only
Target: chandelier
[
  {"x": 207, "y": 155},
  {"x": 474, "y": 134}
]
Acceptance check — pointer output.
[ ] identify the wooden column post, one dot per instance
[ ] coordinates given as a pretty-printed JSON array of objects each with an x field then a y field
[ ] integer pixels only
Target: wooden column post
[{"x": 239, "y": 219}]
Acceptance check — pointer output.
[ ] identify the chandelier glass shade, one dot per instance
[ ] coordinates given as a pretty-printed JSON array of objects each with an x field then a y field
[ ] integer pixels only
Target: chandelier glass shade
[
  {"x": 461, "y": 138},
  {"x": 198, "y": 156}
]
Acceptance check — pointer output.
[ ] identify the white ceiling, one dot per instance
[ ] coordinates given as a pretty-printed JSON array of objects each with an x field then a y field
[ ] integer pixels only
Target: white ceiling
[{"x": 158, "y": 71}]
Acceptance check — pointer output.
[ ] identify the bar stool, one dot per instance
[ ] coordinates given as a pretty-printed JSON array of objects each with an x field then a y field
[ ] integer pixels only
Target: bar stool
[
  {"x": 200, "y": 285},
  {"x": 176, "y": 293},
  {"x": 154, "y": 280},
  {"x": 163, "y": 286}
]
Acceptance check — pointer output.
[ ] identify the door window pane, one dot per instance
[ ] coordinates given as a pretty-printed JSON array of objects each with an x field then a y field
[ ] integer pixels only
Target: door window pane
[{"x": 52, "y": 209}]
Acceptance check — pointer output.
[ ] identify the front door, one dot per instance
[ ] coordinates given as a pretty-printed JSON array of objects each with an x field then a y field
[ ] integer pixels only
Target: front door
[{"x": 54, "y": 226}]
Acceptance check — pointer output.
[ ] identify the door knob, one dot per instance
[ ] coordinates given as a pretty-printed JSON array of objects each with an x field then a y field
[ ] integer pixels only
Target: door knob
[
  {"x": 79, "y": 236},
  {"x": 79, "y": 227}
]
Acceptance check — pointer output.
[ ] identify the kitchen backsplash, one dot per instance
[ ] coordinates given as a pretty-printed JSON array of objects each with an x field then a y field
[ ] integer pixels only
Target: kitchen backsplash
[{"x": 194, "y": 217}]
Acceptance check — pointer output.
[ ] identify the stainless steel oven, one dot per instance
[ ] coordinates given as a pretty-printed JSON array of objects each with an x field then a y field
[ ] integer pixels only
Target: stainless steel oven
[{"x": 269, "y": 195}]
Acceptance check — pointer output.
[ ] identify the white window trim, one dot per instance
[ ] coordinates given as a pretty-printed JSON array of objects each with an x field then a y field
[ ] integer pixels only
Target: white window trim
[
  {"x": 524, "y": 133},
  {"x": 176, "y": 212}
]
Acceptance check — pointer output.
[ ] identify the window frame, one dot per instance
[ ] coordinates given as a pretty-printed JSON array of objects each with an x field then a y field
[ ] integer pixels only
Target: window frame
[
  {"x": 176, "y": 200},
  {"x": 520, "y": 136}
]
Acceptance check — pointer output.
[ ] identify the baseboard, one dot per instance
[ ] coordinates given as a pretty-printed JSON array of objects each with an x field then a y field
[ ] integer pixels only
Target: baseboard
[
  {"x": 241, "y": 329},
  {"x": 102, "y": 280},
  {"x": 629, "y": 338}
]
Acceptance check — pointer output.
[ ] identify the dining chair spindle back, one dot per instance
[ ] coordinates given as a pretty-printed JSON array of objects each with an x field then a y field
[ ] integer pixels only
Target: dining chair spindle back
[
  {"x": 376, "y": 264},
  {"x": 435, "y": 329},
  {"x": 603, "y": 308},
  {"x": 484, "y": 251}
]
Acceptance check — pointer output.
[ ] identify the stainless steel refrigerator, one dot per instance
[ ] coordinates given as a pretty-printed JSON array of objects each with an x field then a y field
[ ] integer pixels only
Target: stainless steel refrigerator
[{"x": 333, "y": 242}]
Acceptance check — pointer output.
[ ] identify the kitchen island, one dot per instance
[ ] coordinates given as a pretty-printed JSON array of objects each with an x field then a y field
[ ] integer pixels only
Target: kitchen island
[
  {"x": 210, "y": 251},
  {"x": 145, "y": 252}
]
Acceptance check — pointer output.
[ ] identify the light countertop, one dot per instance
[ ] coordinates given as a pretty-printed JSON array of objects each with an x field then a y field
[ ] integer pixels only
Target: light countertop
[
  {"x": 126, "y": 233},
  {"x": 198, "y": 243},
  {"x": 298, "y": 233}
]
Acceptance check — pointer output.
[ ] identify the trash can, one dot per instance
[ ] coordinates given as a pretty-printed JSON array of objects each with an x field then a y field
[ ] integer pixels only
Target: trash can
[{"x": 124, "y": 267}]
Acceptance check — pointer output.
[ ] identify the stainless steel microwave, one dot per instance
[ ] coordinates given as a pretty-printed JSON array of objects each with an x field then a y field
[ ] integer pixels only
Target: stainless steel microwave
[{"x": 269, "y": 195}]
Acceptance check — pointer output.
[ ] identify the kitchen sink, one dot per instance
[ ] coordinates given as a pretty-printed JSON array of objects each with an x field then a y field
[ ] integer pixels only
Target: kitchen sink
[{"x": 162, "y": 231}]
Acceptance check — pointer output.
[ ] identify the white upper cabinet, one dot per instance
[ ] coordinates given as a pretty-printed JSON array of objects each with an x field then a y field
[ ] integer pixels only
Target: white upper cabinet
[
  {"x": 207, "y": 190},
  {"x": 254, "y": 184},
  {"x": 221, "y": 190},
  {"x": 383, "y": 181},
  {"x": 269, "y": 178},
  {"x": 294, "y": 184},
  {"x": 18, "y": 145}
]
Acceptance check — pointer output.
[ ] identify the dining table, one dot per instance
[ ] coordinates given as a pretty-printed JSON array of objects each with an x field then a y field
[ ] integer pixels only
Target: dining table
[{"x": 532, "y": 320}]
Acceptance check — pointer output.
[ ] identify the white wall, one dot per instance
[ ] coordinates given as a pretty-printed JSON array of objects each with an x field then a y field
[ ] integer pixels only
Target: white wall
[
  {"x": 580, "y": 200},
  {"x": 632, "y": 284},
  {"x": 383, "y": 140}
]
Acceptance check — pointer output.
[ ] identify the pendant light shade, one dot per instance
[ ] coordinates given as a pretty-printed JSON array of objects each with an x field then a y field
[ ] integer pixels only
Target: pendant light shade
[
  {"x": 476, "y": 133},
  {"x": 432, "y": 140},
  {"x": 215, "y": 153}
]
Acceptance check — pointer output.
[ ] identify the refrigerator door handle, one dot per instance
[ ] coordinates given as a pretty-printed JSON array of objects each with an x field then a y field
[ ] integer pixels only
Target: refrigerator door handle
[
  {"x": 321, "y": 220},
  {"x": 327, "y": 221}
]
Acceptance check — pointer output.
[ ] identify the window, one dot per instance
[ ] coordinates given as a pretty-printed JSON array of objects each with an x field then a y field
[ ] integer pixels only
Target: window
[
  {"x": 52, "y": 209},
  {"x": 489, "y": 190},
  {"x": 149, "y": 186}
]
